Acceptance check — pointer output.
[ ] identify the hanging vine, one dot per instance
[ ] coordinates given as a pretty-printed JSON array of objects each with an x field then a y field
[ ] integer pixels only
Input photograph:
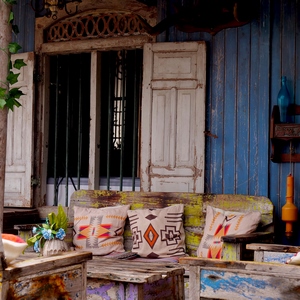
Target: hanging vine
[{"x": 9, "y": 96}]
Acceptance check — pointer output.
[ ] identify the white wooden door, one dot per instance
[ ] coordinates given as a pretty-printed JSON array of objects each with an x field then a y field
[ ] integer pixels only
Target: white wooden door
[
  {"x": 19, "y": 150},
  {"x": 173, "y": 117}
]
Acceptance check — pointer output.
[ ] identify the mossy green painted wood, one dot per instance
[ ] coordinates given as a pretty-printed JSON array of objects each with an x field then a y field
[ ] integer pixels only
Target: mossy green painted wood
[{"x": 194, "y": 208}]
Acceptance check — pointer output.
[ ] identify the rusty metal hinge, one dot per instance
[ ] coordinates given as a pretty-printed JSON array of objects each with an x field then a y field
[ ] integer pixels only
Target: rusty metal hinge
[{"x": 35, "y": 181}]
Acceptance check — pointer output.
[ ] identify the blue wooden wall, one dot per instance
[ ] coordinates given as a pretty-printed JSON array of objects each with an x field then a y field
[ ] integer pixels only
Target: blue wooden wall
[
  {"x": 245, "y": 65},
  {"x": 24, "y": 18}
]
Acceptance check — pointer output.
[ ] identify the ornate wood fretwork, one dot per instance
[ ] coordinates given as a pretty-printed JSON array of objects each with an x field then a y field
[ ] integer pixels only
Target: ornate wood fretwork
[
  {"x": 287, "y": 131},
  {"x": 101, "y": 25}
]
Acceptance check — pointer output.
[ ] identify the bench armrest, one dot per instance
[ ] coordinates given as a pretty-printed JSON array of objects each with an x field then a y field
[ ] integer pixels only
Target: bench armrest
[
  {"x": 234, "y": 246},
  {"x": 247, "y": 238},
  {"x": 273, "y": 248}
]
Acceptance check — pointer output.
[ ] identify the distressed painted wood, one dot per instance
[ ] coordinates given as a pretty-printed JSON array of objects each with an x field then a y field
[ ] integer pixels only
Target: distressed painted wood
[
  {"x": 173, "y": 117},
  {"x": 19, "y": 148},
  {"x": 56, "y": 277},
  {"x": 235, "y": 246},
  {"x": 132, "y": 280},
  {"x": 272, "y": 252},
  {"x": 194, "y": 208},
  {"x": 220, "y": 279}
]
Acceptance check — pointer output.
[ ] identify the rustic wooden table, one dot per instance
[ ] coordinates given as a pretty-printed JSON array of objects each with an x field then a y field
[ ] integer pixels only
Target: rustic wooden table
[
  {"x": 273, "y": 252},
  {"x": 129, "y": 279},
  {"x": 224, "y": 279},
  {"x": 55, "y": 277}
]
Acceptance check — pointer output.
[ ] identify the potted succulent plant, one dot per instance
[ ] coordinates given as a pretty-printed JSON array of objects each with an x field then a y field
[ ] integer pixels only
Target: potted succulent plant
[{"x": 48, "y": 238}]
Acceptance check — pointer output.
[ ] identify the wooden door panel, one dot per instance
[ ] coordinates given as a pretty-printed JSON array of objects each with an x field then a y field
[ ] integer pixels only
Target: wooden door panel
[
  {"x": 173, "y": 117},
  {"x": 19, "y": 150}
]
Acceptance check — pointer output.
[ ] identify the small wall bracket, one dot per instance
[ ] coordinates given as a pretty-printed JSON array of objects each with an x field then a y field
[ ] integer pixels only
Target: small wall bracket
[{"x": 283, "y": 135}]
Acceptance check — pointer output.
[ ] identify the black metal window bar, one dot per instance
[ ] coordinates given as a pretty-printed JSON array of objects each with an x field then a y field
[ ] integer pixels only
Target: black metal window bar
[
  {"x": 68, "y": 146},
  {"x": 119, "y": 145}
]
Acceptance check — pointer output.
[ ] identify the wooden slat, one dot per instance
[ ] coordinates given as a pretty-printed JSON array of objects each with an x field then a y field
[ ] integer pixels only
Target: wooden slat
[
  {"x": 131, "y": 271},
  {"x": 242, "y": 129},
  {"x": 273, "y": 247},
  {"x": 230, "y": 46},
  {"x": 32, "y": 265}
]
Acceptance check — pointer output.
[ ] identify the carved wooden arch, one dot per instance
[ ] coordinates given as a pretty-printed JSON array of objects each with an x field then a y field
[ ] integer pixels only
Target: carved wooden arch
[
  {"x": 93, "y": 25},
  {"x": 95, "y": 28}
]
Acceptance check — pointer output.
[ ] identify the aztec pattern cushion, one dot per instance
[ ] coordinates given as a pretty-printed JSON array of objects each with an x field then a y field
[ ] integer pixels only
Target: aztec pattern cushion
[
  {"x": 99, "y": 230},
  {"x": 220, "y": 223},
  {"x": 158, "y": 233}
]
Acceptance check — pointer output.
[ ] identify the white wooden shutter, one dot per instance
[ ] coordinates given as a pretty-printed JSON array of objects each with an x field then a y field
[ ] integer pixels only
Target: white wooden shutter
[
  {"x": 19, "y": 150},
  {"x": 173, "y": 117}
]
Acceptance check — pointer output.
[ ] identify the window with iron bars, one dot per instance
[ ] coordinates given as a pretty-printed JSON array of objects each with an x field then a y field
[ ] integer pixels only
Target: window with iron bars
[{"x": 69, "y": 122}]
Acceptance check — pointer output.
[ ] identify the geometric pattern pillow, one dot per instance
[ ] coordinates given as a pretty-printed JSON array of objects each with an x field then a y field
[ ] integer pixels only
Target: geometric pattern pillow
[
  {"x": 99, "y": 230},
  {"x": 220, "y": 223},
  {"x": 158, "y": 233}
]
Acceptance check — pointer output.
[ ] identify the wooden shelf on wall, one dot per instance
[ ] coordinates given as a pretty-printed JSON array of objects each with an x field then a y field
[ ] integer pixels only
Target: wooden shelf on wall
[{"x": 282, "y": 134}]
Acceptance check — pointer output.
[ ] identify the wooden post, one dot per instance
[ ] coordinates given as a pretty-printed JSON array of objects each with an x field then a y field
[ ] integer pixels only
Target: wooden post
[{"x": 5, "y": 39}]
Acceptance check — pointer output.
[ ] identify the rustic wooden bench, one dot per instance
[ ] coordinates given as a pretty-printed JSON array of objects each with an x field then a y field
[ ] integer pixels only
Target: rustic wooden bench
[
  {"x": 194, "y": 222},
  {"x": 194, "y": 213},
  {"x": 223, "y": 279}
]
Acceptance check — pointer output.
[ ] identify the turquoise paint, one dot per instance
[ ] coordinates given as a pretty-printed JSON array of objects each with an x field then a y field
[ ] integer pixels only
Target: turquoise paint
[{"x": 242, "y": 284}]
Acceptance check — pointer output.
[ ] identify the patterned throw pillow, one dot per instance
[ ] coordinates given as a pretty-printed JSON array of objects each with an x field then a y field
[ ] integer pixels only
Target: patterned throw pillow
[
  {"x": 99, "y": 230},
  {"x": 158, "y": 233},
  {"x": 220, "y": 223}
]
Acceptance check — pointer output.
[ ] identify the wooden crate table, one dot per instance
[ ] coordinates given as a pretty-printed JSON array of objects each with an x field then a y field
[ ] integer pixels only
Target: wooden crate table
[
  {"x": 272, "y": 252},
  {"x": 129, "y": 279},
  {"x": 224, "y": 279},
  {"x": 54, "y": 277}
]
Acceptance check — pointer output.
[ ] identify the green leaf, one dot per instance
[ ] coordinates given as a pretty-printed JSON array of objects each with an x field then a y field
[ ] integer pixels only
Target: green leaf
[
  {"x": 19, "y": 63},
  {"x": 12, "y": 78},
  {"x": 46, "y": 226},
  {"x": 62, "y": 220},
  {"x": 11, "y": 102},
  {"x": 11, "y": 17},
  {"x": 33, "y": 239},
  {"x": 15, "y": 29},
  {"x": 2, "y": 103},
  {"x": 2, "y": 92},
  {"x": 52, "y": 219},
  {"x": 14, "y": 47},
  {"x": 15, "y": 93}
]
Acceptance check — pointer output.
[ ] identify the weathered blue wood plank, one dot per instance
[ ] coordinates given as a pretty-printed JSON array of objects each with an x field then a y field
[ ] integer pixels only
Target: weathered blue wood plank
[
  {"x": 224, "y": 279},
  {"x": 25, "y": 19},
  {"x": 263, "y": 77},
  {"x": 216, "y": 113},
  {"x": 230, "y": 117},
  {"x": 254, "y": 107},
  {"x": 277, "y": 257},
  {"x": 242, "y": 125},
  {"x": 275, "y": 169},
  {"x": 255, "y": 286}
]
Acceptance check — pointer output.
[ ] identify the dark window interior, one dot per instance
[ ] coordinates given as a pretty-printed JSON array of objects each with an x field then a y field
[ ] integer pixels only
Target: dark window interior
[{"x": 69, "y": 125}]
